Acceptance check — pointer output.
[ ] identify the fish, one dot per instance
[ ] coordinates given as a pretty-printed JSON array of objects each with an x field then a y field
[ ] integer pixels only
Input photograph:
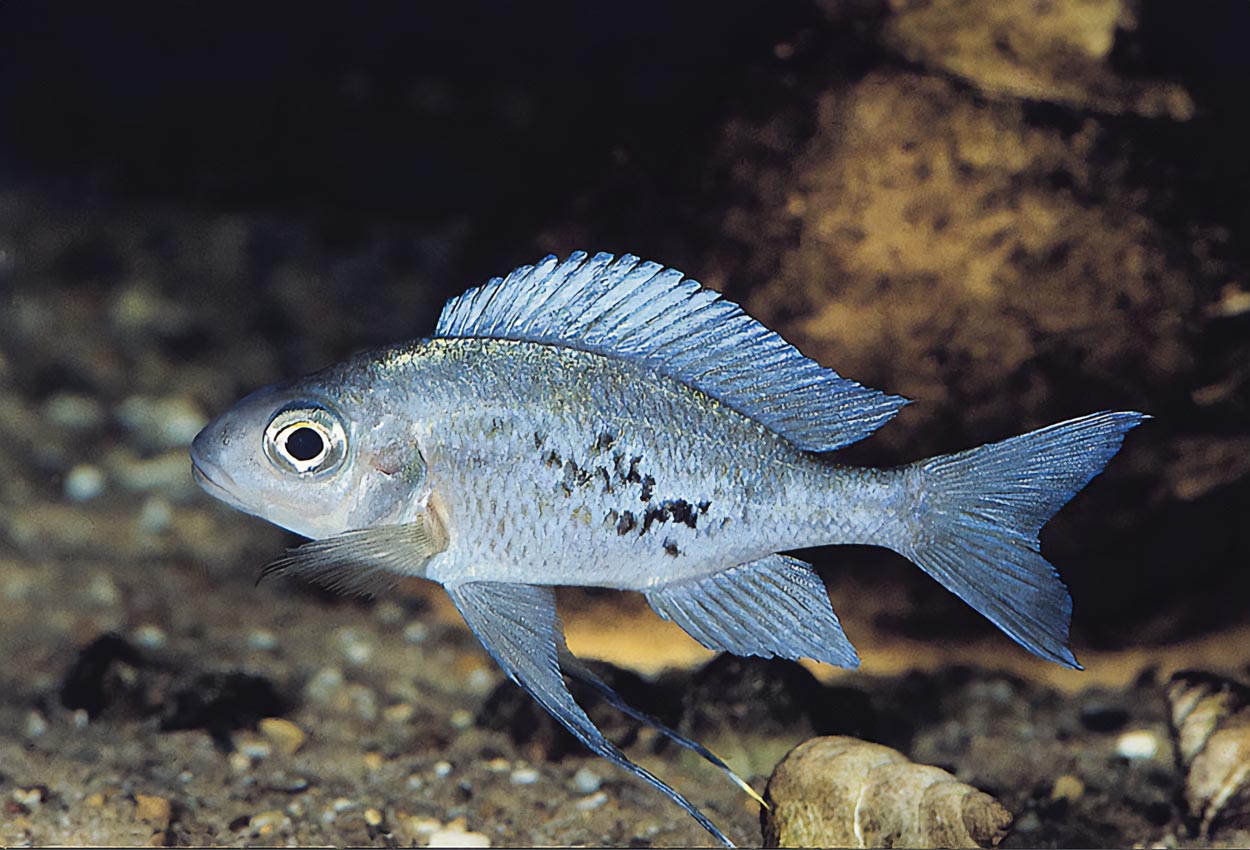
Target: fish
[{"x": 604, "y": 421}]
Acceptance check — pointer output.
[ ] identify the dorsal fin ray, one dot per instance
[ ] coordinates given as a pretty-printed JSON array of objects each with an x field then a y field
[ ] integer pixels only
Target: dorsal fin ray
[{"x": 648, "y": 314}]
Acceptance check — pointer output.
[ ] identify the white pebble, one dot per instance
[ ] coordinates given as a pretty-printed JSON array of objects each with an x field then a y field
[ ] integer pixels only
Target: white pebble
[
  {"x": 149, "y": 635},
  {"x": 461, "y": 719},
  {"x": 1140, "y": 744},
  {"x": 355, "y": 646},
  {"x": 84, "y": 482},
  {"x": 388, "y": 613},
  {"x": 102, "y": 590},
  {"x": 594, "y": 801},
  {"x": 480, "y": 680},
  {"x": 71, "y": 410},
  {"x": 525, "y": 776},
  {"x": 35, "y": 724},
  {"x": 325, "y": 686},
  {"x": 265, "y": 641},
  {"x": 416, "y": 632},
  {"x": 586, "y": 781},
  {"x": 442, "y": 769},
  {"x": 457, "y": 838},
  {"x": 155, "y": 516}
]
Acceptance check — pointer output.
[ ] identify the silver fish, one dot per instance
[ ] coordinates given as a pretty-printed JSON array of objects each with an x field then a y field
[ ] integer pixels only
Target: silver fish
[{"x": 607, "y": 422}]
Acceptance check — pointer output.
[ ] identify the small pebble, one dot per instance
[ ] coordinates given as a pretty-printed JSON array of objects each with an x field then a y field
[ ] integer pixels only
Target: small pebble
[
  {"x": 499, "y": 765},
  {"x": 1139, "y": 744},
  {"x": 71, "y": 410},
  {"x": 592, "y": 802},
  {"x": 415, "y": 781},
  {"x": 355, "y": 646},
  {"x": 388, "y": 613},
  {"x": 36, "y": 726},
  {"x": 373, "y": 817},
  {"x": 288, "y": 784},
  {"x": 283, "y": 734},
  {"x": 401, "y": 712},
  {"x": 268, "y": 822},
  {"x": 461, "y": 719},
  {"x": 364, "y": 702},
  {"x": 31, "y": 798},
  {"x": 262, "y": 640},
  {"x": 156, "y": 515},
  {"x": 1028, "y": 822},
  {"x": 480, "y": 681},
  {"x": 525, "y": 776},
  {"x": 239, "y": 761},
  {"x": 83, "y": 483},
  {"x": 373, "y": 759},
  {"x": 149, "y": 635},
  {"x": 80, "y": 718},
  {"x": 586, "y": 781},
  {"x": 1067, "y": 787},
  {"x": 416, "y": 632},
  {"x": 185, "y": 777},
  {"x": 326, "y": 687},
  {"x": 253, "y": 746},
  {"x": 457, "y": 838},
  {"x": 415, "y": 825},
  {"x": 102, "y": 590},
  {"x": 442, "y": 769},
  {"x": 342, "y": 804},
  {"x": 153, "y": 809}
]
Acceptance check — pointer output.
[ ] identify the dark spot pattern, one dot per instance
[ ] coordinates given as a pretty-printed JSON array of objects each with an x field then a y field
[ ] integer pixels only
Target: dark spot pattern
[
  {"x": 675, "y": 510},
  {"x": 648, "y": 488},
  {"x": 626, "y": 523},
  {"x": 670, "y": 548}
]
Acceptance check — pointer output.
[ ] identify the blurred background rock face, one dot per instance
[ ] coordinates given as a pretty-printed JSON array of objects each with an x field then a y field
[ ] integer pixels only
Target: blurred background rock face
[{"x": 1013, "y": 212}]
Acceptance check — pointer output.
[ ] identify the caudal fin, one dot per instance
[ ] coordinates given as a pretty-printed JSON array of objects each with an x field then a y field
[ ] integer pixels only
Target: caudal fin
[{"x": 980, "y": 513}]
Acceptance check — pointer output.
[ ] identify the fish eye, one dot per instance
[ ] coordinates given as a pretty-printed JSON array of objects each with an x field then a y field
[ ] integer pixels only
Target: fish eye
[{"x": 305, "y": 439}]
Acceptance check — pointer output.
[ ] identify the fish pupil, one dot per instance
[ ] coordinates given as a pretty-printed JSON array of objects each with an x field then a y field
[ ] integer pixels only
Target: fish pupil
[{"x": 304, "y": 444}]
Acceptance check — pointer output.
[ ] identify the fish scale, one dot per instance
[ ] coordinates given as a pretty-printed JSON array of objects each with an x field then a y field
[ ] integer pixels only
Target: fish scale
[{"x": 604, "y": 421}]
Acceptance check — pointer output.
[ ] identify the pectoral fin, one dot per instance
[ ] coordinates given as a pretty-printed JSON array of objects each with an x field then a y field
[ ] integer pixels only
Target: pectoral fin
[
  {"x": 367, "y": 561},
  {"x": 519, "y": 627},
  {"x": 774, "y": 606}
]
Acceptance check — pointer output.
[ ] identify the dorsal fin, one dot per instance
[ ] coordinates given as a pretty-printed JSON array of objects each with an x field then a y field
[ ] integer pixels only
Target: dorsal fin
[{"x": 643, "y": 312}]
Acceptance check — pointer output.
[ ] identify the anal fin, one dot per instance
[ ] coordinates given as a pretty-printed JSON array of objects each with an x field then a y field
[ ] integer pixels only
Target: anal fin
[
  {"x": 519, "y": 626},
  {"x": 775, "y": 606}
]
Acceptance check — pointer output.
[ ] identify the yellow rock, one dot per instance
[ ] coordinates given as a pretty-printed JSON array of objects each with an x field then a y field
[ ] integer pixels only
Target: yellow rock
[
  {"x": 155, "y": 810},
  {"x": 283, "y": 734}
]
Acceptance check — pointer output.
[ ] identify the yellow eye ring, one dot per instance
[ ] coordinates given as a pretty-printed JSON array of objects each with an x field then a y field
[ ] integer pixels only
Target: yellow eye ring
[{"x": 305, "y": 439}]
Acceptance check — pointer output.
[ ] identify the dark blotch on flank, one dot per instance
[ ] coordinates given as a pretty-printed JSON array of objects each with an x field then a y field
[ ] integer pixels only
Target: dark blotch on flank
[
  {"x": 648, "y": 488},
  {"x": 626, "y": 523},
  {"x": 670, "y": 548}
]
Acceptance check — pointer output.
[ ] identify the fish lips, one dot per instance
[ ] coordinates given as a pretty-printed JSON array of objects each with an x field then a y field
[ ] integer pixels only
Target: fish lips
[{"x": 212, "y": 479}]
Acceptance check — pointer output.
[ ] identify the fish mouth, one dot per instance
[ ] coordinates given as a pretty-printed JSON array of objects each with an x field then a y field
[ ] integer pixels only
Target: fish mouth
[{"x": 213, "y": 487}]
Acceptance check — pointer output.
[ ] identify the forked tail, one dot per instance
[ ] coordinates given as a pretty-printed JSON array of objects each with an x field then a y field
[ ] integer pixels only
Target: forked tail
[{"x": 979, "y": 513}]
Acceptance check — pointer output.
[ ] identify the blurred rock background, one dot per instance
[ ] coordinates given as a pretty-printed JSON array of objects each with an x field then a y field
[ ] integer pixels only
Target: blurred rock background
[{"x": 1012, "y": 212}]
